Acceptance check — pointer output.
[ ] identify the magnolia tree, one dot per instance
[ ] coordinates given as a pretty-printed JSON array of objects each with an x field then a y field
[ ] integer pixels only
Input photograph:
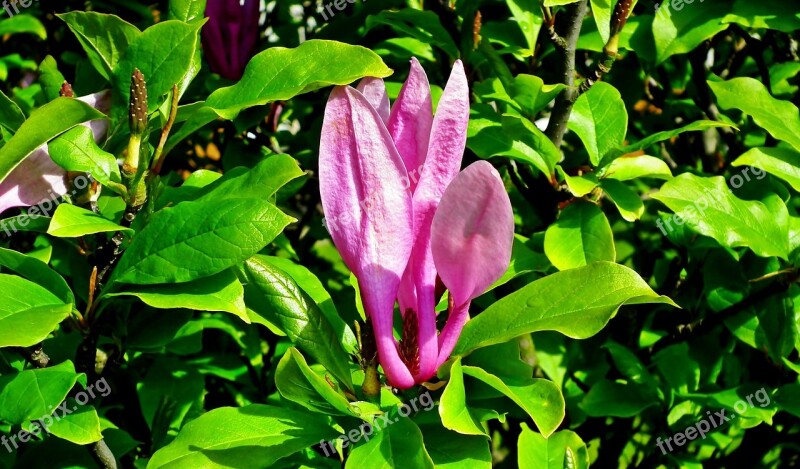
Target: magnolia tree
[{"x": 543, "y": 234}]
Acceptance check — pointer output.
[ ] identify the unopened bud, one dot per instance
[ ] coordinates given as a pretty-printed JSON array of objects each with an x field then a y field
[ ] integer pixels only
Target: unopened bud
[
  {"x": 137, "y": 112},
  {"x": 66, "y": 91}
]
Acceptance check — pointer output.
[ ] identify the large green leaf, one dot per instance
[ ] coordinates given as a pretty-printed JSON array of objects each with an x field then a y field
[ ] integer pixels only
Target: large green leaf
[
  {"x": 254, "y": 436},
  {"x": 451, "y": 450},
  {"x": 104, "y": 38},
  {"x": 71, "y": 221},
  {"x": 76, "y": 150},
  {"x": 198, "y": 239},
  {"x": 186, "y": 10},
  {"x": 778, "y": 117},
  {"x": 563, "y": 449},
  {"x": 539, "y": 398},
  {"x": 279, "y": 74},
  {"x": 635, "y": 167},
  {"x": 29, "y": 314},
  {"x": 22, "y": 23},
  {"x": 764, "y": 14},
  {"x": 220, "y": 292},
  {"x": 600, "y": 120},
  {"x": 37, "y": 272},
  {"x": 453, "y": 409},
  {"x": 81, "y": 427},
  {"x": 710, "y": 208},
  {"x": 780, "y": 162},
  {"x": 423, "y": 25},
  {"x": 11, "y": 116},
  {"x": 263, "y": 180},
  {"x": 164, "y": 54},
  {"x": 680, "y": 27},
  {"x": 397, "y": 445},
  {"x": 628, "y": 202},
  {"x": 33, "y": 394},
  {"x": 529, "y": 19},
  {"x": 42, "y": 126},
  {"x": 271, "y": 292},
  {"x": 581, "y": 235},
  {"x": 610, "y": 399},
  {"x": 297, "y": 382},
  {"x": 551, "y": 303}
]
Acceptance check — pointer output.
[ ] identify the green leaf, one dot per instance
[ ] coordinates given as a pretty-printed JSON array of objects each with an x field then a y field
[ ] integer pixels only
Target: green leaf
[
  {"x": 297, "y": 382},
  {"x": 600, "y": 120},
  {"x": 37, "y": 272},
  {"x": 581, "y": 235},
  {"x": 186, "y": 10},
  {"x": 422, "y": 25},
  {"x": 780, "y": 162},
  {"x": 542, "y": 153},
  {"x": 539, "y": 398},
  {"x": 81, "y": 427},
  {"x": 579, "y": 185},
  {"x": 778, "y": 117},
  {"x": 29, "y": 315},
  {"x": 550, "y": 303},
  {"x": 41, "y": 127},
  {"x": 76, "y": 150},
  {"x": 397, "y": 445},
  {"x": 220, "y": 292},
  {"x": 310, "y": 284},
  {"x": 601, "y": 12},
  {"x": 453, "y": 408},
  {"x": 660, "y": 137},
  {"x": 529, "y": 19},
  {"x": 274, "y": 294},
  {"x": 680, "y": 30},
  {"x": 11, "y": 116},
  {"x": 563, "y": 449},
  {"x": 263, "y": 181},
  {"x": 609, "y": 399},
  {"x": 710, "y": 208},
  {"x": 71, "y": 221},
  {"x": 451, "y": 450},
  {"x": 279, "y": 74},
  {"x": 22, "y": 23},
  {"x": 764, "y": 14},
  {"x": 251, "y": 436},
  {"x": 628, "y": 202},
  {"x": 788, "y": 398},
  {"x": 164, "y": 54},
  {"x": 50, "y": 78},
  {"x": 43, "y": 390},
  {"x": 635, "y": 167},
  {"x": 104, "y": 38},
  {"x": 198, "y": 239},
  {"x": 530, "y": 92}
]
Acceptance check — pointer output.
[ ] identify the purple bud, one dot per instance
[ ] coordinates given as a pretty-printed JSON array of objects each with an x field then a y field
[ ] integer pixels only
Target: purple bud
[{"x": 231, "y": 35}]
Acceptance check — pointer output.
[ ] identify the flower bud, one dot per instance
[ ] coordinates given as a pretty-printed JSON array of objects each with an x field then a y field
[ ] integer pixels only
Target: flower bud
[{"x": 137, "y": 112}]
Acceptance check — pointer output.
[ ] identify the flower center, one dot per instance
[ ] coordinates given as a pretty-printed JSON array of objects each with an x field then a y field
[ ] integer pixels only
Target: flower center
[{"x": 409, "y": 347}]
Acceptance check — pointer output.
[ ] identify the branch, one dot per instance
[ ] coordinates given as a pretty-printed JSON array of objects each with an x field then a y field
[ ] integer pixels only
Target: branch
[
  {"x": 557, "y": 126},
  {"x": 618, "y": 20}
]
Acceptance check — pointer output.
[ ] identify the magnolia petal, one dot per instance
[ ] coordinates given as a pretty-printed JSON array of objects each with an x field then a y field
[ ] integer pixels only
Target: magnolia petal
[
  {"x": 375, "y": 91},
  {"x": 410, "y": 121},
  {"x": 442, "y": 163},
  {"x": 471, "y": 239},
  {"x": 369, "y": 211},
  {"x": 102, "y": 102},
  {"x": 35, "y": 180}
]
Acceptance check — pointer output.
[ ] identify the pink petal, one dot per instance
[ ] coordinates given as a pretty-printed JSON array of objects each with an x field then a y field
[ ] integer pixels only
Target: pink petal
[
  {"x": 369, "y": 212},
  {"x": 102, "y": 102},
  {"x": 471, "y": 240},
  {"x": 35, "y": 180},
  {"x": 375, "y": 91},
  {"x": 442, "y": 163},
  {"x": 411, "y": 119}
]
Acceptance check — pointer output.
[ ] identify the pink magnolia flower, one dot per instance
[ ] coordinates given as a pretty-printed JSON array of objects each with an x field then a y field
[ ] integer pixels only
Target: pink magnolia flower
[
  {"x": 397, "y": 233},
  {"x": 38, "y": 178}
]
